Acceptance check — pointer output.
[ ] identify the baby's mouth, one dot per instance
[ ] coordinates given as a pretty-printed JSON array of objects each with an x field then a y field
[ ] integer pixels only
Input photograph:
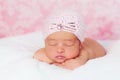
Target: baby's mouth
[{"x": 60, "y": 57}]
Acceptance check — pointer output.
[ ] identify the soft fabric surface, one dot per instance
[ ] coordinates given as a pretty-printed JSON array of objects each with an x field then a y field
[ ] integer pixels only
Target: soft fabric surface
[{"x": 16, "y": 62}]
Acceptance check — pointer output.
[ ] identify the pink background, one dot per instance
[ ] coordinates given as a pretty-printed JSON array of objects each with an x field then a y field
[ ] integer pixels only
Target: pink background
[{"x": 102, "y": 17}]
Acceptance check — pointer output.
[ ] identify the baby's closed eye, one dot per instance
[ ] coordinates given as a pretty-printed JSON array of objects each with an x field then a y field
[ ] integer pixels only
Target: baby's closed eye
[
  {"x": 52, "y": 43},
  {"x": 69, "y": 43}
]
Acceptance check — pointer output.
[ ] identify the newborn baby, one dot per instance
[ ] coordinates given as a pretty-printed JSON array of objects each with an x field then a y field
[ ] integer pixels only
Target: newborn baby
[{"x": 65, "y": 44}]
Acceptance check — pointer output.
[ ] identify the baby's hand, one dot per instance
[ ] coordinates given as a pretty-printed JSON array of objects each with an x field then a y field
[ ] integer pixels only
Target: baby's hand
[
  {"x": 75, "y": 63},
  {"x": 70, "y": 64}
]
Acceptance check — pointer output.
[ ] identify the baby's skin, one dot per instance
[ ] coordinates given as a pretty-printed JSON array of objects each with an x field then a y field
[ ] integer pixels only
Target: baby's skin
[{"x": 63, "y": 49}]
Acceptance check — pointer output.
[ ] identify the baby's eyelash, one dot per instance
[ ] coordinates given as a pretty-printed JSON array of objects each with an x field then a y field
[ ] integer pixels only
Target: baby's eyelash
[{"x": 51, "y": 43}]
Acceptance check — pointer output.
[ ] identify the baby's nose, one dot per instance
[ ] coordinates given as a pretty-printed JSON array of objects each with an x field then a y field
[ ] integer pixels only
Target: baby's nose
[{"x": 60, "y": 49}]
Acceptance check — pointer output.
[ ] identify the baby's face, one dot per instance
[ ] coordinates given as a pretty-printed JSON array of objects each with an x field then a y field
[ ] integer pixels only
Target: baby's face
[{"x": 61, "y": 46}]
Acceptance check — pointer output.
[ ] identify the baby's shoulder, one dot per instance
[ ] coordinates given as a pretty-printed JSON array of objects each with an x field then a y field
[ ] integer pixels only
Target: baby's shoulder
[
  {"x": 93, "y": 47},
  {"x": 93, "y": 44},
  {"x": 39, "y": 54},
  {"x": 41, "y": 51}
]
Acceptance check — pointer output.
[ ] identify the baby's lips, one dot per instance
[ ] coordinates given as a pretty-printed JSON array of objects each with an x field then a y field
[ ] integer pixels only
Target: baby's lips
[{"x": 60, "y": 57}]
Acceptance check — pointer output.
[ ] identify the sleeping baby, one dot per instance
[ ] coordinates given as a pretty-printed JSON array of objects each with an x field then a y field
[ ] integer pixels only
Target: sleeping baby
[{"x": 65, "y": 44}]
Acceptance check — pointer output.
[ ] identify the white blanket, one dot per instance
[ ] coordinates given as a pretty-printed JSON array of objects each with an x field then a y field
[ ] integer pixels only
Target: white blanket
[{"x": 16, "y": 62}]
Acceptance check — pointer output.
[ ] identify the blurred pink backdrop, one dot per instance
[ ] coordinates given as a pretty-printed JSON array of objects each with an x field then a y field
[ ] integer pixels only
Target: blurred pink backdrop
[{"x": 102, "y": 17}]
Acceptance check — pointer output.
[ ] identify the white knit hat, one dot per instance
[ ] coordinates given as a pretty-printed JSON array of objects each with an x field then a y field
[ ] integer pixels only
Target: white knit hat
[{"x": 64, "y": 20}]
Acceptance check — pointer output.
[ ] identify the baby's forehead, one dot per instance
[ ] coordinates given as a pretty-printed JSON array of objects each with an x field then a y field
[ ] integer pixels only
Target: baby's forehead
[
  {"x": 65, "y": 39},
  {"x": 54, "y": 39},
  {"x": 72, "y": 40},
  {"x": 62, "y": 35}
]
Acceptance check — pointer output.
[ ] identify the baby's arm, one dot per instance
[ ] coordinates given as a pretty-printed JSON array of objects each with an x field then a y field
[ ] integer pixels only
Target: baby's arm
[{"x": 40, "y": 55}]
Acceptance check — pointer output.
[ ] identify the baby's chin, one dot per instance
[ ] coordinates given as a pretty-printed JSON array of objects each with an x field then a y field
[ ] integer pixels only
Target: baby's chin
[{"x": 59, "y": 60}]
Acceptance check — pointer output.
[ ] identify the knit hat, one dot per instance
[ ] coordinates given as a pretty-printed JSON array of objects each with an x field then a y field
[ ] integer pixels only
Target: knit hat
[{"x": 64, "y": 20}]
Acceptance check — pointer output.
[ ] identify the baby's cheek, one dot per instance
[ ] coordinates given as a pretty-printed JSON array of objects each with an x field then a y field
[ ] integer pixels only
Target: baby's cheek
[
  {"x": 50, "y": 48},
  {"x": 51, "y": 51},
  {"x": 72, "y": 53}
]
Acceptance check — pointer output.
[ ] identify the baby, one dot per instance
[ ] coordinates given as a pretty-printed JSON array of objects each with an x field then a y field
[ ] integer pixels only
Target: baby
[{"x": 65, "y": 45}]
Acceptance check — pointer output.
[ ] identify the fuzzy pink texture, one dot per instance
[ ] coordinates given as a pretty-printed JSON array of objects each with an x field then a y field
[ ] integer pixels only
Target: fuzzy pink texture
[{"x": 102, "y": 17}]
